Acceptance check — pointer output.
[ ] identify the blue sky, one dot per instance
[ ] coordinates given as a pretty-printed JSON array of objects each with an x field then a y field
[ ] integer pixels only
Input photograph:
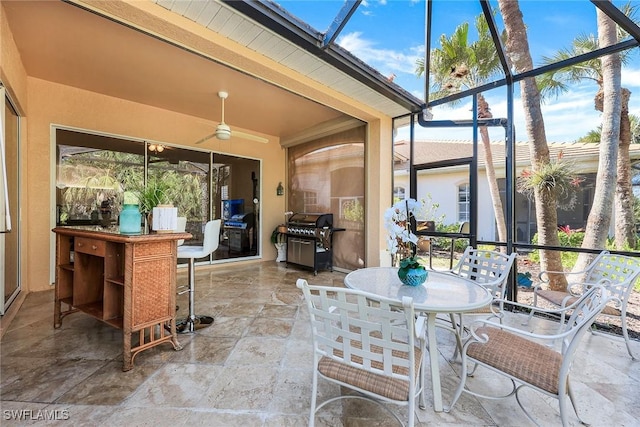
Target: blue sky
[{"x": 389, "y": 36}]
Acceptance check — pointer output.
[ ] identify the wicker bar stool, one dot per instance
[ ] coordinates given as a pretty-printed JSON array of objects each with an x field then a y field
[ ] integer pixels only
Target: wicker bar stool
[{"x": 209, "y": 245}]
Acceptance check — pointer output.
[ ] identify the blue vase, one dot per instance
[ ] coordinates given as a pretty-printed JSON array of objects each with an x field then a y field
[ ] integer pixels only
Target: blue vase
[
  {"x": 130, "y": 220},
  {"x": 414, "y": 277}
]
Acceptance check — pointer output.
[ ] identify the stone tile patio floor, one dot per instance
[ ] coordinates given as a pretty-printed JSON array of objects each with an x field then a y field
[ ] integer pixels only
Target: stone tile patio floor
[{"x": 252, "y": 367}]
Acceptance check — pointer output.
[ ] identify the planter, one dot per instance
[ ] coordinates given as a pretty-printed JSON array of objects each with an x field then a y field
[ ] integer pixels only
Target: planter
[
  {"x": 282, "y": 252},
  {"x": 414, "y": 276},
  {"x": 164, "y": 219}
]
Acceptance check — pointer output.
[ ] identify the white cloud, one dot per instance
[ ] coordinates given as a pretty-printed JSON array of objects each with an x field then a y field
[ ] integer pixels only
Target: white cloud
[
  {"x": 384, "y": 60},
  {"x": 631, "y": 77},
  {"x": 566, "y": 119}
]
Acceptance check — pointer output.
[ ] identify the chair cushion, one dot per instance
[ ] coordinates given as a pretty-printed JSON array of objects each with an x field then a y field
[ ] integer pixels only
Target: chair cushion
[
  {"x": 519, "y": 357},
  {"x": 191, "y": 252},
  {"x": 556, "y": 297},
  {"x": 391, "y": 388}
]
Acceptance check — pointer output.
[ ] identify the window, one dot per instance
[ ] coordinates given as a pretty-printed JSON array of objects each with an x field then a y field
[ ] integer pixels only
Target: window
[
  {"x": 463, "y": 203},
  {"x": 310, "y": 201}
]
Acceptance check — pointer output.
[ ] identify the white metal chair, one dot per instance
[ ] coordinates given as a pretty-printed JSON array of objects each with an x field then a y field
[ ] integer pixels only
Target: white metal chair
[
  {"x": 524, "y": 358},
  {"x": 365, "y": 343},
  {"x": 618, "y": 273},
  {"x": 209, "y": 245},
  {"x": 489, "y": 269}
]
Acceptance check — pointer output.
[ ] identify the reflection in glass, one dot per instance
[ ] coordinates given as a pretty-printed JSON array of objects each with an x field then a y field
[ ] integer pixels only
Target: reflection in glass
[
  {"x": 327, "y": 176},
  {"x": 93, "y": 171}
]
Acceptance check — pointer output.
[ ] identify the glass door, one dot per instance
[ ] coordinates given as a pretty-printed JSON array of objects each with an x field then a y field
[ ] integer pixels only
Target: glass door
[{"x": 9, "y": 202}]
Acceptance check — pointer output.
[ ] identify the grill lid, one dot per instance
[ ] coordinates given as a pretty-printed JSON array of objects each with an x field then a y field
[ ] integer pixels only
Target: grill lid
[{"x": 305, "y": 219}]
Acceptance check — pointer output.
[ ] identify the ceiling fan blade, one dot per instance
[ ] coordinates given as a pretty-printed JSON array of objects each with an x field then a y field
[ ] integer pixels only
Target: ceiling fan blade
[
  {"x": 206, "y": 138},
  {"x": 249, "y": 136},
  {"x": 223, "y": 131}
]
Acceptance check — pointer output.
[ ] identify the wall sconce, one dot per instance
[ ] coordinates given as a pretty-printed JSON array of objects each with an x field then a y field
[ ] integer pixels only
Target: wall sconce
[
  {"x": 156, "y": 148},
  {"x": 280, "y": 189}
]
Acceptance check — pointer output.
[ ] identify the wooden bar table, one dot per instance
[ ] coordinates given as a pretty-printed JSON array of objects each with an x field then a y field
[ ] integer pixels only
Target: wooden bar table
[{"x": 125, "y": 280}]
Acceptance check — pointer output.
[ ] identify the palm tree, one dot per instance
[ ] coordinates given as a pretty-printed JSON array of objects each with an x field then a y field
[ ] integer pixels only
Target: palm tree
[
  {"x": 517, "y": 47},
  {"x": 457, "y": 65},
  {"x": 556, "y": 82}
]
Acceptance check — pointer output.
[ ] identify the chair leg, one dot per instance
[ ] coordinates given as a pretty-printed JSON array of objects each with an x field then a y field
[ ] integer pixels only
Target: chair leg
[
  {"x": 458, "y": 330},
  {"x": 625, "y": 334},
  {"x": 563, "y": 406},
  {"x": 192, "y": 321}
]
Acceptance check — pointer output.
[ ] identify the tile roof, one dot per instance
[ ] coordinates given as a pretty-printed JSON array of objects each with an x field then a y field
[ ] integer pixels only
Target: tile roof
[{"x": 441, "y": 150}]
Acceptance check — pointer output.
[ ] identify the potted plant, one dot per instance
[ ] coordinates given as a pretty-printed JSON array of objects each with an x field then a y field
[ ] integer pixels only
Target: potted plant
[
  {"x": 279, "y": 239},
  {"x": 402, "y": 242},
  {"x": 155, "y": 193}
]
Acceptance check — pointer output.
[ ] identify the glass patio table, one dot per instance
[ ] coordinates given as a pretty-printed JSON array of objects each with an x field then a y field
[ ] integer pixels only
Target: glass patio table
[{"x": 441, "y": 293}]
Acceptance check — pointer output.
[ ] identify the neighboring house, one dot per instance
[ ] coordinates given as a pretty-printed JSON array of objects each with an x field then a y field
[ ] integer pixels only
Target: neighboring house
[{"x": 449, "y": 186}]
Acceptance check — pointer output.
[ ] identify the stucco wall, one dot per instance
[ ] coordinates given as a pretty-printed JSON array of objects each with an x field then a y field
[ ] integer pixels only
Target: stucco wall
[
  {"x": 443, "y": 188},
  {"x": 14, "y": 78}
]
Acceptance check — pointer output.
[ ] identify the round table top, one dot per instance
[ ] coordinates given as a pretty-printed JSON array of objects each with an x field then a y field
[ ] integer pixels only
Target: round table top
[{"x": 441, "y": 293}]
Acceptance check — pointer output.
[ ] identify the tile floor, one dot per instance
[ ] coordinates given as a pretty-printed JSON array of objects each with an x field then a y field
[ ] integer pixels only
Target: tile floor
[{"x": 252, "y": 367}]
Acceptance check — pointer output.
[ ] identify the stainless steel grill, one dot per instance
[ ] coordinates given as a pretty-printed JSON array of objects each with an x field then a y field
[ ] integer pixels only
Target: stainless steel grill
[{"x": 309, "y": 240}]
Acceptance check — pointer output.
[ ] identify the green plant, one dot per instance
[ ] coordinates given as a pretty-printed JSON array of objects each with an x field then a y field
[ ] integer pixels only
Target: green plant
[
  {"x": 277, "y": 237},
  {"x": 158, "y": 191},
  {"x": 409, "y": 263},
  {"x": 568, "y": 238},
  {"x": 557, "y": 177},
  {"x": 402, "y": 242},
  {"x": 353, "y": 210}
]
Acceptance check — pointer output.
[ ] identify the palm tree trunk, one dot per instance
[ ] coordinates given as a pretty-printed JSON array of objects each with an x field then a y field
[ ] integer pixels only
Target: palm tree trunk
[
  {"x": 625, "y": 229},
  {"x": 545, "y": 201},
  {"x": 599, "y": 220},
  {"x": 484, "y": 112}
]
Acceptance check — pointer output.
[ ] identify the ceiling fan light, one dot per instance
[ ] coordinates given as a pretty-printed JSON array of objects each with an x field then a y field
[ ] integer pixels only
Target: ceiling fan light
[{"x": 223, "y": 131}]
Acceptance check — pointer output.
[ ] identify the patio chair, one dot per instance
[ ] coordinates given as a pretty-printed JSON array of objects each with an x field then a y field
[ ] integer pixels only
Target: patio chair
[
  {"x": 489, "y": 269},
  {"x": 367, "y": 344},
  {"x": 618, "y": 273},
  {"x": 524, "y": 357}
]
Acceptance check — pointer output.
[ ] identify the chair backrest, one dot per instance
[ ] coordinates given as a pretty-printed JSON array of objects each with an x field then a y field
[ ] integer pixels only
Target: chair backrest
[
  {"x": 585, "y": 311},
  {"x": 182, "y": 226},
  {"x": 362, "y": 330},
  {"x": 211, "y": 238},
  {"x": 486, "y": 267},
  {"x": 618, "y": 273}
]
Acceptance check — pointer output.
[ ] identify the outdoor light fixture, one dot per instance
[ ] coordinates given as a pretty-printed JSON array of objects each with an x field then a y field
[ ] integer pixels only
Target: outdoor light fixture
[
  {"x": 156, "y": 148},
  {"x": 280, "y": 189}
]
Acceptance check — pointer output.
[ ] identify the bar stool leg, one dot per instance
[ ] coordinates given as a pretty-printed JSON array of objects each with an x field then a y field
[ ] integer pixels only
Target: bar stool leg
[{"x": 193, "y": 321}]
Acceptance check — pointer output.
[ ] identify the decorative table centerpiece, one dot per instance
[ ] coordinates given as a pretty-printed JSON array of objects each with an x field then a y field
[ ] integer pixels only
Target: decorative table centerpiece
[{"x": 402, "y": 242}]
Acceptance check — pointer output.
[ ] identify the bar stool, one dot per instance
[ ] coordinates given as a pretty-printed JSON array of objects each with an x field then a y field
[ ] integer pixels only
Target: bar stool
[
  {"x": 209, "y": 245},
  {"x": 182, "y": 226}
]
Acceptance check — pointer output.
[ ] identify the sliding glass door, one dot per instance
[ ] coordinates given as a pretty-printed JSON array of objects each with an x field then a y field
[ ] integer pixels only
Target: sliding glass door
[
  {"x": 93, "y": 171},
  {"x": 9, "y": 202}
]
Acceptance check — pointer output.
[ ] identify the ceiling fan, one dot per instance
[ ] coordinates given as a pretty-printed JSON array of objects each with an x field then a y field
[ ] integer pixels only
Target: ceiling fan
[{"x": 224, "y": 132}]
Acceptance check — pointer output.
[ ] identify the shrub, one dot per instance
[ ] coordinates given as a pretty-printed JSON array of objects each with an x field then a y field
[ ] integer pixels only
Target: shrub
[{"x": 568, "y": 238}]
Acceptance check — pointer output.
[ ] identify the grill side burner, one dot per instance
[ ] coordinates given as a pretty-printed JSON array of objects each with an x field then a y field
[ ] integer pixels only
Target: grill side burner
[{"x": 310, "y": 240}]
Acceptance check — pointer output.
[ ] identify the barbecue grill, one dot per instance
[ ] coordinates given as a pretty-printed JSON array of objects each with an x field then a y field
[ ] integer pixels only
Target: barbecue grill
[{"x": 310, "y": 240}]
